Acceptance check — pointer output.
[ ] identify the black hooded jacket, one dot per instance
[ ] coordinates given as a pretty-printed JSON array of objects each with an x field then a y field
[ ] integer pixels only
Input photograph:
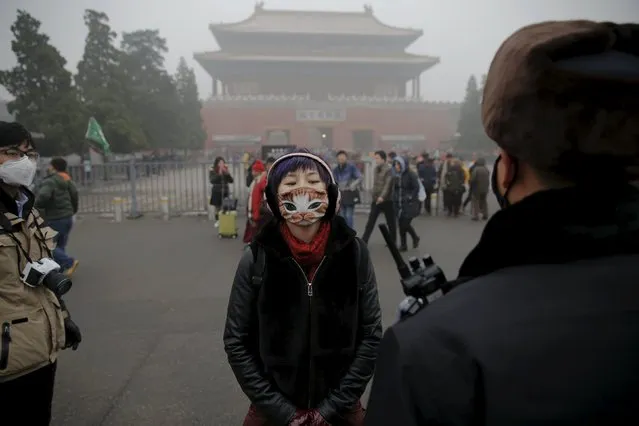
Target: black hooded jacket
[
  {"x": 546, "y": 332},
  {"x": 289, "y": 350}
]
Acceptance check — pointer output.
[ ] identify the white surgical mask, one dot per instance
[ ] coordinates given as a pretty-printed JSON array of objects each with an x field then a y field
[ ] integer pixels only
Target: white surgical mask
[{"x": 18, "y": 172}]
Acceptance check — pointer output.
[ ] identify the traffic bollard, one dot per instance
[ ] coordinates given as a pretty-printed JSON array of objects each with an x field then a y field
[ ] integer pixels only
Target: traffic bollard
[
  {"x": 117, "y": 209},
  {"x": 164, "y": 207}
]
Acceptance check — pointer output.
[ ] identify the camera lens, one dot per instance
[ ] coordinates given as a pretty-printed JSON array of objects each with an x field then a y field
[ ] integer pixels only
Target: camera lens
[{"x": 57, "y": 282}]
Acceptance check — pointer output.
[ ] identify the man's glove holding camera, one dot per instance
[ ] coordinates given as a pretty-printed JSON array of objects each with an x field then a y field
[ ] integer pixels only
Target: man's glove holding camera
[{"x": 72, "y": 335}]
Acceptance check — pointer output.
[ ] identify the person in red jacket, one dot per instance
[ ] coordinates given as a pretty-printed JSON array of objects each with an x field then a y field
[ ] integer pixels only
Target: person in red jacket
[{"x": 255, "y": 201}]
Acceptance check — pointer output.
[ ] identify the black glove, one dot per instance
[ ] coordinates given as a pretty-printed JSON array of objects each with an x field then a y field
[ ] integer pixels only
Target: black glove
[{"x": 72, "y": 334}]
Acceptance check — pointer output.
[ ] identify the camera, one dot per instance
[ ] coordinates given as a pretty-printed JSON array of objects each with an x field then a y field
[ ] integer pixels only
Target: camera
[
  {"x": 46, "y": 272},
  {"x": 422, "y": 280}
]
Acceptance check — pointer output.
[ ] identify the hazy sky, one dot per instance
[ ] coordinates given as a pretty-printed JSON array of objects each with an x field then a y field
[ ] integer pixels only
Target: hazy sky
[{"x": 463, "y": 33}]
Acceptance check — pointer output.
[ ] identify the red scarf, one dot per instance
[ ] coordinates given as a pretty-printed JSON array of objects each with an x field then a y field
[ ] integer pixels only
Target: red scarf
[{"x": 308, "y": 255}]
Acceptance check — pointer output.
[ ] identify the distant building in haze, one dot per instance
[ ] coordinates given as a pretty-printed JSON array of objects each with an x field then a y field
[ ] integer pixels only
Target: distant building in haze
[{"x": 335, "y": 80}]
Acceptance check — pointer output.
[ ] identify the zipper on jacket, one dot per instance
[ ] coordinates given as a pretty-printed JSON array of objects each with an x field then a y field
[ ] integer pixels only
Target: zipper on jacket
[
  {"x": 5, "y": 340},
  {"x": 309, "y": 292}
]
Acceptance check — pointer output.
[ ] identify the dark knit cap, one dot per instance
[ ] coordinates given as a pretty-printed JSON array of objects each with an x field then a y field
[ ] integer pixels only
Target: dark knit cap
[{"x": 13, "y": 134}]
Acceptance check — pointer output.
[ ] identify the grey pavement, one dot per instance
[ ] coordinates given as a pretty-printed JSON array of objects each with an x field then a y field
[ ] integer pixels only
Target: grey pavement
[{"x": 150, "y": 297}]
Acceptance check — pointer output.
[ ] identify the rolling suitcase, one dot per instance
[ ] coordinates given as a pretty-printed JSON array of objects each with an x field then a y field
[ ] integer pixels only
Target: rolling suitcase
[{"x": 227, "y": 227}]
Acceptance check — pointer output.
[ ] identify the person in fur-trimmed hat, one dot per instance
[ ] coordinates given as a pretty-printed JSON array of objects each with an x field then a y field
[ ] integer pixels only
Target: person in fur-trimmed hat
[{"x": 541, "y": 325}]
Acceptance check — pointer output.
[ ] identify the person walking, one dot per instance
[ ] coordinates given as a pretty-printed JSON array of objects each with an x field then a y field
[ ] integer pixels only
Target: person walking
[
  {"x": 348, "y": 178},
  {"x": 382, "y": 198},
  {"x": 57, "y": 201},
  {"x": 428, "y": 176},
  {"x": 480, "y": 184},
  {"x": 406, "y": 200}
]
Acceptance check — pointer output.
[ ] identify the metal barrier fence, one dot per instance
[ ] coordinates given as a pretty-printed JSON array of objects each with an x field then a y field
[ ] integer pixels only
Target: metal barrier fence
[{"x": 142, "y": 185}]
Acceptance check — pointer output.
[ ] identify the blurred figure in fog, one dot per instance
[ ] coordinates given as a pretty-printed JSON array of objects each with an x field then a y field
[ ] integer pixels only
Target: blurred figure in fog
[
  {"x": 57, "y": 201},
  {"x": 348, "y": 179},
  {"x": 470, "y": 167},
  {"x": 255, "y": 205},
  {"x": 455, "y": 180},
  {"x": 220, "y": 178},
  {"x": 269, "y": 163},
  {"x": 479, "y": 187},
  {"x": 406, "y": 200},
  {"x": 428, "y": 175},
  {"x": 382, "y": 197}
]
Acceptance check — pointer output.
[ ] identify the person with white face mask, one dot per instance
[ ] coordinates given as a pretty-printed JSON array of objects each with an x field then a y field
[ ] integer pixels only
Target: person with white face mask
[
  {"x": 305, "y": 266},
  {"x": 34, "y": 322}
]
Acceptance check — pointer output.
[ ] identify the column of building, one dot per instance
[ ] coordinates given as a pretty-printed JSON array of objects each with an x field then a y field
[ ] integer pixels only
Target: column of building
[{"x": 219, "y": 87}]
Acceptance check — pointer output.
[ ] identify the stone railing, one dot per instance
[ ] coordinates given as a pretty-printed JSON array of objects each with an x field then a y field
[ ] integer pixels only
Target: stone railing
[
  {"x": 265, "y": 98},
  {"x": 342, "y": 99}
]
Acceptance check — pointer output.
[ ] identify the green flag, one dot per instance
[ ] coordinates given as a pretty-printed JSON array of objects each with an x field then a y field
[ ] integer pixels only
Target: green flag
[{"x": 95, "y": 135}]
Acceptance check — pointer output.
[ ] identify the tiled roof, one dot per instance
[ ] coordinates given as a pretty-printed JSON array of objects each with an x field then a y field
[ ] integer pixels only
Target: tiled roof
[
  {"x": 314, "y": 22},
  {"x": 405, "y": 58}
]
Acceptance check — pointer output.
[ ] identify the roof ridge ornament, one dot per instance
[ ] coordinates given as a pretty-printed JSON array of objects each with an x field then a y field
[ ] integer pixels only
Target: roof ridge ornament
[
  {"x": 368, "y": 8},
  {"x": 259, "y": 6}
]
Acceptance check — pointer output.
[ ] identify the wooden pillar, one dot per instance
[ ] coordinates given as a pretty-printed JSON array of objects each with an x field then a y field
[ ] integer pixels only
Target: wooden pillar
[
  {"x": 214, "y": 86},
  {"x": 418, "y": 93}
]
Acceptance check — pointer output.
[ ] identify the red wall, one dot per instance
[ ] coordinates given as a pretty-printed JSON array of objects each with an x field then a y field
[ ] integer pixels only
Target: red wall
[{"x": 437, "y": 122}]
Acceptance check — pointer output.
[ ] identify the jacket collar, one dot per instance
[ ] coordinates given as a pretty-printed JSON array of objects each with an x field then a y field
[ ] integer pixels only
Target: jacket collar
[
  {"x": 558, "y": 226},
  {"x": 8, "y": 203},
  {"x": 270, "y": 238}
]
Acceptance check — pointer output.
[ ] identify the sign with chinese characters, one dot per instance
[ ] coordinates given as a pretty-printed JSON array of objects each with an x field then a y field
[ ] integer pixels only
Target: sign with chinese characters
[
  {"x": 276, "y": 151},
  {"x": 320, "y": 115}
]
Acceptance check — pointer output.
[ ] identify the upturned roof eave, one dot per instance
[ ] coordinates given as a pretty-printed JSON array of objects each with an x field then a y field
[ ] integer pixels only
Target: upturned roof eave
[{"x": 408, "y": 33}]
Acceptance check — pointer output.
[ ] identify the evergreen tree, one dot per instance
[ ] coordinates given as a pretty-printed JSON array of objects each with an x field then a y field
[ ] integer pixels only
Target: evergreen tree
[
  {"x": 45, "y": 100},
  {"x": 470, "y": 128},
  {"x": 104, "y": 86},
  {"x": 155, "y": 99},
  {"x": 190, "y": 107}
]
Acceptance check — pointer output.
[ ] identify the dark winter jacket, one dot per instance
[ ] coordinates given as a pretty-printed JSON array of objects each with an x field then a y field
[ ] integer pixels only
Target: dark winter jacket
[
  {"x": 546, "y": 332},
  {"x": 427, "y": 174},
  {"x": 220, "y": 186},
  {"x": 406, "y": 191},
  {"x": 57, "y": 197},
  {"x": 289, "y": 350}
]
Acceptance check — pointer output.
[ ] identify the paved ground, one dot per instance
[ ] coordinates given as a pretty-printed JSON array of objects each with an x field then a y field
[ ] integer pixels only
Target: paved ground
[{"x": 151, "y": 297}]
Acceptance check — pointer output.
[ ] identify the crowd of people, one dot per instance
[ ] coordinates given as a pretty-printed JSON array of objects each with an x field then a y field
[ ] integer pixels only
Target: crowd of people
[{"x": 403, "y": 188}]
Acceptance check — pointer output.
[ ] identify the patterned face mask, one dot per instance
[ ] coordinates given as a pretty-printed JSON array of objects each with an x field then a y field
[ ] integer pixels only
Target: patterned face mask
[{"x": 303, "y": 206}]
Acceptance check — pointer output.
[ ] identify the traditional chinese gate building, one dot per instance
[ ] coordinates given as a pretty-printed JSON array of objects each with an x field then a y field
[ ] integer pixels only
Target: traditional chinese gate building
[{"x": 338, "y": 80}]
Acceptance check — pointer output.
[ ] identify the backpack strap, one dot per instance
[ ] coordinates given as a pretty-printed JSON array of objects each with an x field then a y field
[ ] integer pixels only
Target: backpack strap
[{"x": 259, "y": 265}]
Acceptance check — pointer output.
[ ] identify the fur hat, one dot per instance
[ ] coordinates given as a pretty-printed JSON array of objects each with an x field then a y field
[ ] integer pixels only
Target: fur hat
[{"x": 564, "y": 95}]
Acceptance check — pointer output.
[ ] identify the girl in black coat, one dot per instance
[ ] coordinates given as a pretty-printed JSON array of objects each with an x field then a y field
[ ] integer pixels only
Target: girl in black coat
[
  {"x": 220, "y": 179},
  {"x": 304, "y": 320},
  {"x": 407, "y": 204}
]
